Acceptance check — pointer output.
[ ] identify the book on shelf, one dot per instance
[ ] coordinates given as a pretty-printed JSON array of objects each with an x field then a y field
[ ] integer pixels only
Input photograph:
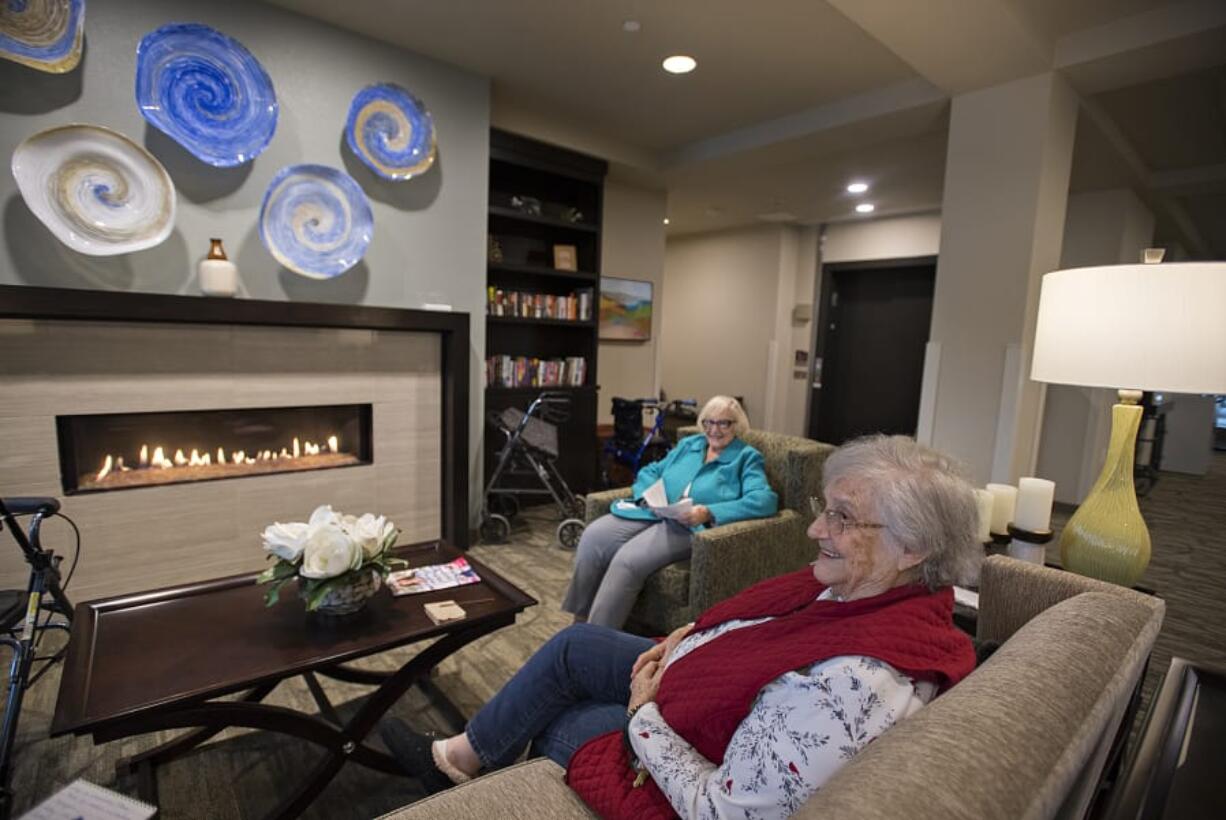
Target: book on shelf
[
  {"x": 574, "y": 307},
  {"x": 528, "y": 371}
]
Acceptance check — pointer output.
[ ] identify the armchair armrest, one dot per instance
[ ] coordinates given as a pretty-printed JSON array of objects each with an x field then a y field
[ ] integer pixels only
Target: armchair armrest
[
  {"x": 597, "y": 504},
  {"x": 729, "y": 558},
  {"x": 1011, "y": 592}
]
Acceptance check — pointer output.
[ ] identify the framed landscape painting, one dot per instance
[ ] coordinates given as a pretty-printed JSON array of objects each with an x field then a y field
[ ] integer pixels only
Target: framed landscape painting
[{"x": 625, "y": 309}]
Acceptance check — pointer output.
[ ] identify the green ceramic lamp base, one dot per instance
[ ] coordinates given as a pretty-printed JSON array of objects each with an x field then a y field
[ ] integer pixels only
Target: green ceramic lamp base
[{"x": 1107, "y": 538}]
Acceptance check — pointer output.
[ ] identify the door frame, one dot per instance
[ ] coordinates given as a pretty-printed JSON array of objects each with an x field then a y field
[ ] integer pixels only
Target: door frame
[{"x": 822, "y": 290}]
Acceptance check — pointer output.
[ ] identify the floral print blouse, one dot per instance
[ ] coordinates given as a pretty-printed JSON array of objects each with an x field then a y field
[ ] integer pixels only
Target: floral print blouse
[{"x": 803, "y": 727}]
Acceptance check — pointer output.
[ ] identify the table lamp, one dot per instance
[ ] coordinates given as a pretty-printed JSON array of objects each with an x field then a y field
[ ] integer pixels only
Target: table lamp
[{"x": 1159, "y": 327}]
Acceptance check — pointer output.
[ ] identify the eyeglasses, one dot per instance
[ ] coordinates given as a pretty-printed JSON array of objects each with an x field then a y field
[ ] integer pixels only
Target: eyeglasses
[
  {"x": 837, "y": 521},
  {"x": 722, "y": 424}
]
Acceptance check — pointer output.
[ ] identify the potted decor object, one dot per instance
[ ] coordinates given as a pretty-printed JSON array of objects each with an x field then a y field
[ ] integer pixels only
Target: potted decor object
[
  {"x": 218, "y": 276},
  {"x": 339, "y": 560}
]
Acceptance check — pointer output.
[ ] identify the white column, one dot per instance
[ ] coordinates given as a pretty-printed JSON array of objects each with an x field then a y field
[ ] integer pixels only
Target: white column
[{"x": 1006, "y": 187}]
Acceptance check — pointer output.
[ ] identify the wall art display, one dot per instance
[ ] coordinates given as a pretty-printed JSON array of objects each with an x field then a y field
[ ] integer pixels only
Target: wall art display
[
  {"x": 100, "y": 193},
  {"x": 625, "y": 309},
  {"x": 207, "y": 92},
  {"x": 42, "y": 34},
  {"x": 391, "y": 131},
  {"x": 315, "y": 220}
]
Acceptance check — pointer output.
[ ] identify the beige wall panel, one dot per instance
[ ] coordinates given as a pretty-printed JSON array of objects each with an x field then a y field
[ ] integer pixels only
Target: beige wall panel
[
  {"x": 156, "y": 536},
  {"x": 396, "y": 355},
  {"x": 412, "y": 498},
  {"x": 294, "y": 496},
  {"x": 408, "y": 434},
  {"x": 85, "y": 348},
  {"x": 23, "y": 454}
]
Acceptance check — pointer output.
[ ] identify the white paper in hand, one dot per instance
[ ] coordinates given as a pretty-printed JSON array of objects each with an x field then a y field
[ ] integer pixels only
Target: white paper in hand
[
  {"x": 655, "y": 496},
  {"x": 657, "y": 500}
]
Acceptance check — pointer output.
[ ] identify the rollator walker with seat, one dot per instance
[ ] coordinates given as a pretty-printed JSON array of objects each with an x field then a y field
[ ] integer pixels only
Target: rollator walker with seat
[{"x": 530, "y": 450}]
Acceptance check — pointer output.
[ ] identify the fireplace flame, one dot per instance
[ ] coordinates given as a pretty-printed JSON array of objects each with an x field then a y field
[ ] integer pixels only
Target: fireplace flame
[{"x": 298, "y": 451}]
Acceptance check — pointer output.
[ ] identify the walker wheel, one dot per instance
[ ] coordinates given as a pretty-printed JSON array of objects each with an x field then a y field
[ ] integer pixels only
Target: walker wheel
[
  {"x": 495, "y": 529},
  {"x": 569, "y": 532},
  {"x": 577, "y": 507}
]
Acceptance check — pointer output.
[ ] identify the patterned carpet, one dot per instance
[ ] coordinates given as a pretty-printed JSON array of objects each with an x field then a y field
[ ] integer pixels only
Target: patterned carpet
[{"x": 240, "y": 774}]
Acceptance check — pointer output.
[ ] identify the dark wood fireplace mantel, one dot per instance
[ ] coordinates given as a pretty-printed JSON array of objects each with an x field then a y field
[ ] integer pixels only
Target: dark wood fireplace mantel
[{"x": 22, "y": 302}]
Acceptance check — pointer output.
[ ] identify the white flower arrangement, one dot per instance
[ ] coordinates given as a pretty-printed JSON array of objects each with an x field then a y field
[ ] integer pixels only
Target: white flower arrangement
[{"x": 328, "y": 551}]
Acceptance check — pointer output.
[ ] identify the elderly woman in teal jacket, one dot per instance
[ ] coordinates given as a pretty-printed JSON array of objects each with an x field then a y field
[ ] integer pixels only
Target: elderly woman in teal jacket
[{"x": 721, "y": 475}]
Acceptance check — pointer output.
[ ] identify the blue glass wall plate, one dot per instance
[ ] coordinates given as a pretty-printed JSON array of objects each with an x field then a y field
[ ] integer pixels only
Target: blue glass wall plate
[
  {"x": 391, "y": 131},
  {"x": 315, "y": 220},
  {"x": 207, "y": 92},
  {"x": 100, "y": 193},
  {"x": 43, "y": 34}
]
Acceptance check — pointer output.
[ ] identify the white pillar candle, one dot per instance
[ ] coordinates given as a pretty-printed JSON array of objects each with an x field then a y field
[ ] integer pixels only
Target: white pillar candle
[
  {"x": 1004, "y": 497},
  {"x": 1034, "y": 497},
  {"x": 984, "y": 501}
]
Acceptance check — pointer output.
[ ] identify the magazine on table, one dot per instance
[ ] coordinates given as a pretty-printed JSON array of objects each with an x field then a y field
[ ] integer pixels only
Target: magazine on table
[{"x": 455, "y": 573}]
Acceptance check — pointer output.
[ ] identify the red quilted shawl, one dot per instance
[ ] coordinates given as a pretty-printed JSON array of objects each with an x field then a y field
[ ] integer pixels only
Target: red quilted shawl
[{"x": 706, "y": 694}]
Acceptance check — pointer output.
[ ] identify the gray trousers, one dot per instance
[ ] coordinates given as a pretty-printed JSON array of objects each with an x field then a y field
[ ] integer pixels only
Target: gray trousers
[{"x": 614, "y": 558}]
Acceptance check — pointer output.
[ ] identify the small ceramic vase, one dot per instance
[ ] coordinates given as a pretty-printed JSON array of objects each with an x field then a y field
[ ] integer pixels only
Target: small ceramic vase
[
  {"x": 351, "y": 597},
  {"x": 218, "y": 276}
]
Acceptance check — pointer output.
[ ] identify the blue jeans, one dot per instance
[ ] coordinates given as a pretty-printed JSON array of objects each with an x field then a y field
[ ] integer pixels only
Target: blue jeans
[{"x": 571, "y": 690}]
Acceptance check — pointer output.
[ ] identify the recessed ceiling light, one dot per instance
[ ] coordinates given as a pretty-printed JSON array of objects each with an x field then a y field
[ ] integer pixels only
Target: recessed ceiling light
[
  {"x": 865, "y": 208},
  {"x": 631, "y": 26},
  {"x": 666, "y": 220},
  {"x": 679, "y": 64},
  {"x": 857, "y": 187}
]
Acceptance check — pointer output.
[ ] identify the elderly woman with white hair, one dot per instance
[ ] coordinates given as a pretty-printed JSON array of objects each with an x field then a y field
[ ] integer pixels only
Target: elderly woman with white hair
[
  {"x": 751, "y": 709},
  {"x": 723, "y": 477}
]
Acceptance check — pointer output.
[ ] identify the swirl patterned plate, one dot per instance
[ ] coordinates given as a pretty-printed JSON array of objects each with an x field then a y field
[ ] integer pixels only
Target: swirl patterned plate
[
  {"x": 207, "y": 92},
  {"x": 43, "y": 34},
  {"x": 95, "y": 189},
  {"x": 391, "y": 131},
  {"x": 315, "y": 220}
]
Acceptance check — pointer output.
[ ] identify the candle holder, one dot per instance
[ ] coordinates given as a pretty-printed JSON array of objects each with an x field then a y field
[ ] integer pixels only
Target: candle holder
[{"x": 1027, "y": 545}]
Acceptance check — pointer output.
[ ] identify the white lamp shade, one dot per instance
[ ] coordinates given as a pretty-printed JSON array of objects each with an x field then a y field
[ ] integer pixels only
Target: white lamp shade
[{"x": 1138, "y": 327}]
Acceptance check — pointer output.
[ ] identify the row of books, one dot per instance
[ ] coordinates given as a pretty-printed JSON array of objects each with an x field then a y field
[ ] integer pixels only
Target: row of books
[
  {"x": 526, "y": 371},
  {"x": 575, "y": 307}
]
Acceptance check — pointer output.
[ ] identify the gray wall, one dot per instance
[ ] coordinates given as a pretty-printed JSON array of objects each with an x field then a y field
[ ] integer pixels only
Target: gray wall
[{"x": 429, "y": 240}]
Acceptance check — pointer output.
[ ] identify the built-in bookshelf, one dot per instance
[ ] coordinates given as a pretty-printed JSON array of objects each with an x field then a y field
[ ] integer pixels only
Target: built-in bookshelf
[{"x": 543, "y": 290}]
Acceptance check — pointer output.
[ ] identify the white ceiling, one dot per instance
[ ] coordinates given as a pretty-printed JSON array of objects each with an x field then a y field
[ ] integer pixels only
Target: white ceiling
[
  {"x": 572, "y": 57},
  {"x": 793, "y": 98}
]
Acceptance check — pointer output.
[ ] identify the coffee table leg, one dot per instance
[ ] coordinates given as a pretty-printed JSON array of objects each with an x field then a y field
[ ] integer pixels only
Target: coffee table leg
[
  {"x": 439, "y": 699},
  {"x": 147, "y": 782},
  {"x": 145, "y": 764},
  {"x": 368, "y": 715}
]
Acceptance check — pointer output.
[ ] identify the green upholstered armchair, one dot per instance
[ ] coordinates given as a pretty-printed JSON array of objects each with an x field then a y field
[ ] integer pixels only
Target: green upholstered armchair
[{"x": 727, "y": 559}]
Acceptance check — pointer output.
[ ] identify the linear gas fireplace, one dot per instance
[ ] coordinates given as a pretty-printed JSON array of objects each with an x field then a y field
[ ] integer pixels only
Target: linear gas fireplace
[{"x": 119, "y": 451}]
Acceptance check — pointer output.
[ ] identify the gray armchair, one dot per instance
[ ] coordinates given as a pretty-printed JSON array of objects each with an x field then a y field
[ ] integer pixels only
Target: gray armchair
[{"x": 729, "y": 558}]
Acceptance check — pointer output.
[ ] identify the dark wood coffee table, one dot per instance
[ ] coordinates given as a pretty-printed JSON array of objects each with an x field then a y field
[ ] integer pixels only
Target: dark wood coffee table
[{"x": 164, "y": 660}]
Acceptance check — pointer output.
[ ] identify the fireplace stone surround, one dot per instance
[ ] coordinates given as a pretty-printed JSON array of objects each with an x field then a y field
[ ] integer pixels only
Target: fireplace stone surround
[{"x": 75, "y": 351}]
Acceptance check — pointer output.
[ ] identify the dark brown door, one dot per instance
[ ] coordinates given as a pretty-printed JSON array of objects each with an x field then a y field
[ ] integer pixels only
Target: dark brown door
[{"x": 873, "y": 327}]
